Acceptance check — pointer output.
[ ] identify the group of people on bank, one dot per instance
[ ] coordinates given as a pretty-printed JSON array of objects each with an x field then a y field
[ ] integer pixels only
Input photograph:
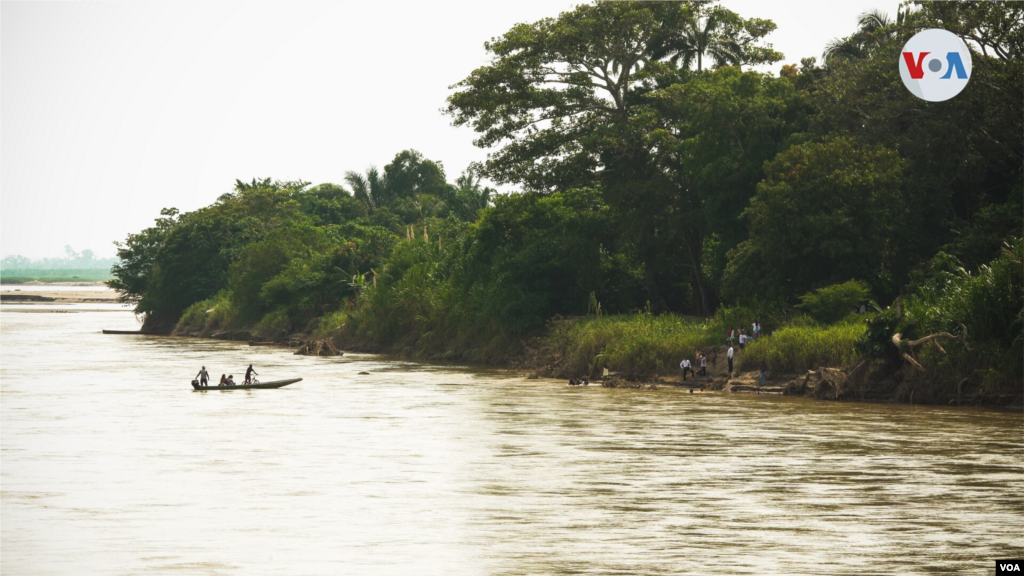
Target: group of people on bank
[
  {"x": 225, "y": 380},
  {"x": 741, "y": 337},
  {"x": 699, "y": 366}
]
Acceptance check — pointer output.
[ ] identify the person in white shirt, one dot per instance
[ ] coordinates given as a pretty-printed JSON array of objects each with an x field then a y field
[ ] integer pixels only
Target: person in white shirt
[
  {"x": 687, "y": 367},
  {"x": 729, "y": 355},
  {"x": 743, "y": 340}
]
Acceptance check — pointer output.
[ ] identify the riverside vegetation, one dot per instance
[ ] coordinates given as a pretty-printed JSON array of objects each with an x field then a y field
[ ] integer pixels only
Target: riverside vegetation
[{"x": 665, "y": 196}]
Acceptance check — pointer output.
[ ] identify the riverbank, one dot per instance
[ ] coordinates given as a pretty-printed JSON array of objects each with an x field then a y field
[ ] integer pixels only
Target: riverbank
[{"x": 644, "y": 351}]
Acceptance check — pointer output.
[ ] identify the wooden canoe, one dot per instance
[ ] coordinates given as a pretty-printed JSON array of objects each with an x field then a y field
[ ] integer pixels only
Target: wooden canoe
[
  {"x": 137, "y": 332},
  {"x": 243, "y": 386}
]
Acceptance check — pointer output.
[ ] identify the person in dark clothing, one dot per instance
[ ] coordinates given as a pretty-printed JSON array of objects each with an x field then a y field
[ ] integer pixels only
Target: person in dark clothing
[
  {"x": 249, "y": 372},
  {"x": 764, "y": 371}
]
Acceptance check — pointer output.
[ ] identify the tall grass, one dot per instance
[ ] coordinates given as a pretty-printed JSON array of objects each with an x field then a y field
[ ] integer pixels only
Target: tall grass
[
  {"x": 793, "y": 349},
  {"x": 636, "y": 345}
]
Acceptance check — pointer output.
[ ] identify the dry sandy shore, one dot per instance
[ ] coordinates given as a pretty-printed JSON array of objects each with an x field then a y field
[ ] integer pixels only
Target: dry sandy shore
[{"x": 24, "y": 294}]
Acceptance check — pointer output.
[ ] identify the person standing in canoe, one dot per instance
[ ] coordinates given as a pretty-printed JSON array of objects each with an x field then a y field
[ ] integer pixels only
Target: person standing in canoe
[
  {"x": 204, "y": 376},
  {"x": 249, "y": 373}
]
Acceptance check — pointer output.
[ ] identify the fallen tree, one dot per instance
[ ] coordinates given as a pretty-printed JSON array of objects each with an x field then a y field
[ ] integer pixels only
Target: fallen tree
[{"x": 908, "y": 348}]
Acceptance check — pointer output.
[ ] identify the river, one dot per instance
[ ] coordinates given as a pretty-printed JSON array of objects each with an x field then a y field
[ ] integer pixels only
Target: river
[{"x": 111, "y": 464}]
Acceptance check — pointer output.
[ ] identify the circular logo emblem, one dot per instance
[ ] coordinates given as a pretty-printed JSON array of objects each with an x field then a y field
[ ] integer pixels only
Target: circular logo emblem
[{"x": 935, "y": 65}]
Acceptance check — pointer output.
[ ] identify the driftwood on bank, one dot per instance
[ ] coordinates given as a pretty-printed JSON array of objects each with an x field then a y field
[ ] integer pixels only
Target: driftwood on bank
[
  {"x": 908, "y": 348},
  {"x": 620, "y": 383},
  {"x": 318, "y": 348}
]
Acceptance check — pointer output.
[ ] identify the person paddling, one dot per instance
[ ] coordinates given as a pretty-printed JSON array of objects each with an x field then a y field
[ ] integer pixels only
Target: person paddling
[
  {"x": 204, "y": 376},
  {"x": 249, "y": 373}
]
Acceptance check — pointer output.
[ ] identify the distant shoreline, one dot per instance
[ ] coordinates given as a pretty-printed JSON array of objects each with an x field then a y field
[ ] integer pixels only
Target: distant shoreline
[
  {"x": 38, "y": 294},
  {"x": 54, "y": 283},
  {"x": 52, "y": 280}
]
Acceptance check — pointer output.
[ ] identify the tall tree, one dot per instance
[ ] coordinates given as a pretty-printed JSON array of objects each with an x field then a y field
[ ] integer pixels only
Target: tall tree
[
  {"x": 714, "y": 33},
  {"x": 874, "y": 27},
  {"x": 995, "y": 29},
  {"x": 567, "y": 102},
  {"x": 825, "y": 213}
]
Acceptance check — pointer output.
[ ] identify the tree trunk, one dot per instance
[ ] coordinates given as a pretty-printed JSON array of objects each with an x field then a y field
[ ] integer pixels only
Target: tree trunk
[
  {"x": 695, "y": 248},
  {"x": 654, "y": 288}
]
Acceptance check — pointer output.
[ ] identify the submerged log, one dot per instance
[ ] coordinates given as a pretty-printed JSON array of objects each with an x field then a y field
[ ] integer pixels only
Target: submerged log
[{"x": 318, "y": 348}]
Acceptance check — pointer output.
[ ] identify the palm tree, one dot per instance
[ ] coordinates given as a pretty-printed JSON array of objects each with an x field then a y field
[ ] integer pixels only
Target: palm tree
[
  {"x": 706, "y": 33},
  {"x": 470, "y": 196},
  {"x": 371, "y": 189},
  {"x": 873, "y": 28}
]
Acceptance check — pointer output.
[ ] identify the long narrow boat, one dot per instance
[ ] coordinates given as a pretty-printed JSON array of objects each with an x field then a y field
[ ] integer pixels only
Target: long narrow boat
[
  {"x": 244, "y": 386},
  {"x": 137, "y": 332}
]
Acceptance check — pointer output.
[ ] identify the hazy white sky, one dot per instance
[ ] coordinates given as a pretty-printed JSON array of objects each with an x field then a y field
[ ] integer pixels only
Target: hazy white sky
[{"x": 110, "y": 111}]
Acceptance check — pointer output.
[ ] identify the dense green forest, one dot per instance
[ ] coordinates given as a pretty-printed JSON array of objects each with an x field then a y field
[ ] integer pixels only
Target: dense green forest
[{"x": 666, "y": 193}]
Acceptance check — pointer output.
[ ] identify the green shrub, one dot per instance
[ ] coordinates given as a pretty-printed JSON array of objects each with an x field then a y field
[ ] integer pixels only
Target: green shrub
[
  {"x": 831, "y": 303},
  {"x": 273, "y": 325},
  {"x": 205, "y": 316},
  {"x": 330, "y": 324},
  {"x": 990, "y": 304}
]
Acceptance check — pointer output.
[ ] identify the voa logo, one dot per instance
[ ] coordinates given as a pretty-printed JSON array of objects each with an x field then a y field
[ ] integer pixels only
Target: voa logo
[
  {"x": 1008, "y": 567},
  {"x": 935, "y": 65}
]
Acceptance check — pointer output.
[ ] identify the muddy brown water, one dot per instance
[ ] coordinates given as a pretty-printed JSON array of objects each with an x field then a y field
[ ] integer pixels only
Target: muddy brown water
[{"x": 111, "y": 464}]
